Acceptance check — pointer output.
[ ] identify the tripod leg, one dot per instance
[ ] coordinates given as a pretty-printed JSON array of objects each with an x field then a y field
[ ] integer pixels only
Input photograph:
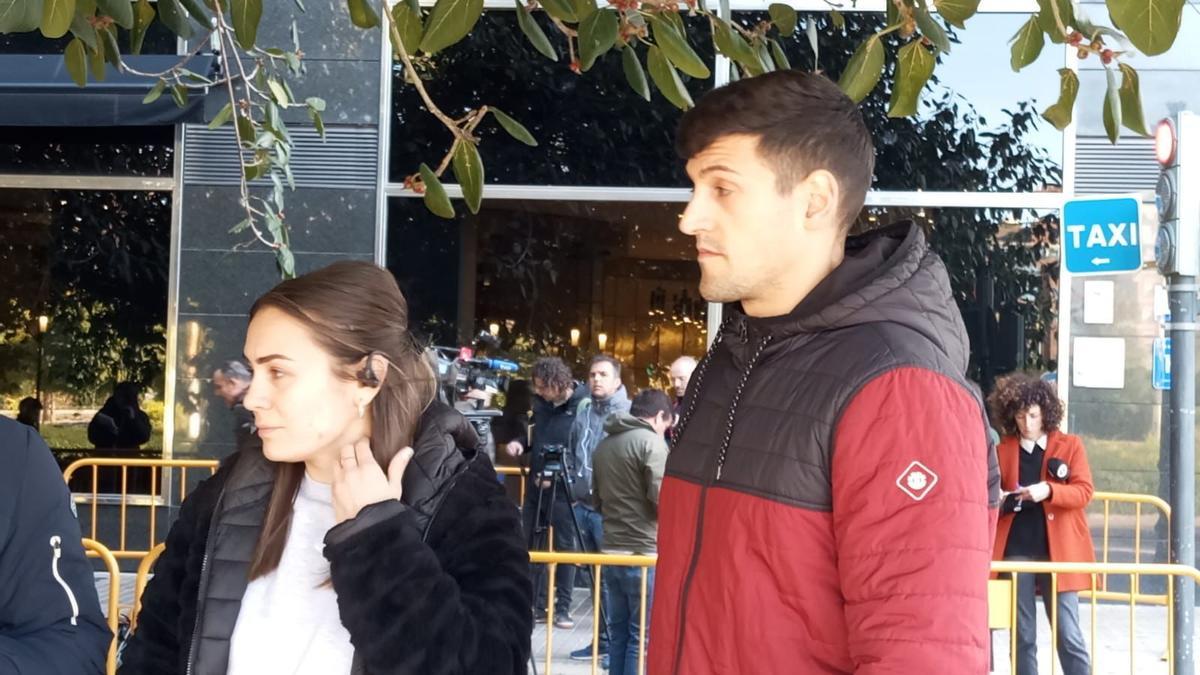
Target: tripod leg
[{"x": 592, "y": 581}]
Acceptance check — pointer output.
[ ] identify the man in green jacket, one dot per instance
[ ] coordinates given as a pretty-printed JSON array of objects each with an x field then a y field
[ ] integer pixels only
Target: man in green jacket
[{"x": 627, "y": 471}]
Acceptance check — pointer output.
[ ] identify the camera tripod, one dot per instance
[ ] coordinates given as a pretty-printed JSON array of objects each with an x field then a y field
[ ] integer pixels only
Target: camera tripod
[{"x": 539, "y": 535}]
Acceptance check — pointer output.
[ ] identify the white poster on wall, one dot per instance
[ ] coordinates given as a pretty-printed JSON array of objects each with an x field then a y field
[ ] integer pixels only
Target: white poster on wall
[
  {"x": 1098, "y": 363},
  {"x": 1098, "y": 302}
]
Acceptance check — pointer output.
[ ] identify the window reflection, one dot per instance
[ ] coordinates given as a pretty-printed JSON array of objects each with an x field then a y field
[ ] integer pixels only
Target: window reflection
[
  {"x": 554, "y": 278},
  {"x": 94, "y": 265}
]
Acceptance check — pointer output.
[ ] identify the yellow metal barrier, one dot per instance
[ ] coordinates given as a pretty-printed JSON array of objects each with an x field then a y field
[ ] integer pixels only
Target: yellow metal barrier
[
  {"x": 1134, "y": 570},
  {"x": 139, "y": 584},
  {"x": 1139, "y": 502},
  {"x": 152, "y": 501},
  {"x": 515, "y": 471},
  {"x": 95, "y": 549},
  {"x": 597, "y": 561}
]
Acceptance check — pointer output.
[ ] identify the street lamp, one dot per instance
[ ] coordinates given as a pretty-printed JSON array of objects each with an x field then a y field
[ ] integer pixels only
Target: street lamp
[{"x": 43, "y": 323}]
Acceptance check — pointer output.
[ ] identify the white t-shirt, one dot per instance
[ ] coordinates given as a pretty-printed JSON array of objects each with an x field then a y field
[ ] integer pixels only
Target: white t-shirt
[{"x": 289, "y": 623}]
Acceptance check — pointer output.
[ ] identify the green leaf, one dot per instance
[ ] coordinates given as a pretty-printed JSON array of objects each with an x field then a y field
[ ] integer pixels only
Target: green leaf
[
  {"x": 96, "y": 64},
  {"x": 450, "y": 21},
  {"x": 584, "y": 8},
  {"x": 634, "y": 73},
  {"x": 246, "y": 15},
  {"x": 514, "y": 128},
  {"x": 863, "y": 71},
  {"x": 1131, "y": 101},
  {"x": 362, "y": 14},
  {"x": 245, "y": 130},
  {"x": 957, "y": 11},
  {"x": 173, "y": 17},
  {"x": 155, "y": 92},
  {"x": 179, "y": 94},
  {"x": 56, "y": 17},
  {"x": 1049, "y": 24},
  {"x": 764, "y": 56},
  {"x": 597, "y": 35},
  {"x": 1027, "y": 44},
  {"x": 408, "y": 24},
  {"x": 435, "y": 195},
  {"x": 914, "y": 66},
  {"x": 315, "y": 103},
  {"x": 1112, "y": 107},
  {"x": 932, "y": 29},
  {"x": 108, "y": 43},
  {"x": 667, "y": 80},
  {"x": 836, "y": 18},
  {"x": 675, "y": 47},
  {"x": 563, "y": 10},
  {"x": 468, "y": 169},
  {"x": 892, "y": 15},
  {"x": 317, "y": 122},
  {"x": 781, "y": 59},
  {"x": 278, "y": 92},
  {"x": 82, "y": 29},
  {"x": 121, "y": 11},
  {"x": 143, "y": 15},
  {"x": 196, "y": 9},
  {"x": 784, "y": 18},
  {"x": 76, "y": 57},
  {"x": 1151, "y": 25},
  {"x": 286, "y": 261},
  {"x": 533, "y": 32},
  {"x": 19, "y": 16},
  {"x": 240, "y": 227},
  {"x": 1060, "y": 113},
  {"x": 731, "y": 43},
  {"x": 223, "y": 116}
]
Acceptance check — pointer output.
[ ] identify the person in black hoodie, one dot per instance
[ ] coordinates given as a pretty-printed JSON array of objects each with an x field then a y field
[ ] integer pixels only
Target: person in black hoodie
[
  {"x": 121, "y": 423},
  {"x": 368, "y": 536},
  {"x": 50, "y": 619}
]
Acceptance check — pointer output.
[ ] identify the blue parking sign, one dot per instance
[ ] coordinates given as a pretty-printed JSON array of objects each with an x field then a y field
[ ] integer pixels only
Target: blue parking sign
[
  {"x": 1160, "y": 370},
  {"x": 1101, "y": 235}
]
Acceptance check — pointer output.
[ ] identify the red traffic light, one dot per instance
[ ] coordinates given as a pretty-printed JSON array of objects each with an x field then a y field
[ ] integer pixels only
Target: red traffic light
[{"x": 1164, "y": 142}]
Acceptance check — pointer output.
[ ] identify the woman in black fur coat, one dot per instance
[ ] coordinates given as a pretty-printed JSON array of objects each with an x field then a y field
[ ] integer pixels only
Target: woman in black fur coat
[{"x": 369, "y": 536}]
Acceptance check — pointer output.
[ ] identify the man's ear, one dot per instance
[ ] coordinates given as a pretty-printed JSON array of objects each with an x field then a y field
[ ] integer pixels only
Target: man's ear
[{"x": 821, "y": 197}]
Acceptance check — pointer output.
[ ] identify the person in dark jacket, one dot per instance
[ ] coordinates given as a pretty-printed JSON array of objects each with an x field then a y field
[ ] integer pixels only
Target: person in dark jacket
[
  {"x": 230, "y": 382},
  {"x": 626, "y": 479},
  {"x": 557, "y": 401},
  {"x": 29, "y": 412},
  {"x": 830, "y": 499},
  {"x": 120, "y": 423},
  {"x": 50, "y": 619},
  {"x": 368, "y": 536}
]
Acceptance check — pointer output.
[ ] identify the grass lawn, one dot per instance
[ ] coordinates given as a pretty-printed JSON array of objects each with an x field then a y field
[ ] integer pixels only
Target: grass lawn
[{"x": 74, "y": 436}]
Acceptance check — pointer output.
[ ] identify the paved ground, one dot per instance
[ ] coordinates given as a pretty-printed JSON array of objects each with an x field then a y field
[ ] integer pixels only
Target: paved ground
[{"x": 1112, "y": 650}]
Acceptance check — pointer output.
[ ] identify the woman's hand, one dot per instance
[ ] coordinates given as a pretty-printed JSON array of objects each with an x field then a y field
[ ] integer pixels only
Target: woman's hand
[{"x": 358, "y": 481}]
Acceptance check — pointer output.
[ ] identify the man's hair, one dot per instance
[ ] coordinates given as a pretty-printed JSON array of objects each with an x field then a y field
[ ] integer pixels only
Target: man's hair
[
  {"x": 690, "y": 360},
  {"x": 235, "y": 370},
  {"x": 1019, "y": 393},
  {"x": 803, "y": 122},
  {"x": 552, "y": 372},
  {"x": 611, "y": 360},
  {"x": 648, "y": 403}
]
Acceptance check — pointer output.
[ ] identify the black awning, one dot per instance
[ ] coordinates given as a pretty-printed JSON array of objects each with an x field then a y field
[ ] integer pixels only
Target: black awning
[{"x": 37, "y": 91}]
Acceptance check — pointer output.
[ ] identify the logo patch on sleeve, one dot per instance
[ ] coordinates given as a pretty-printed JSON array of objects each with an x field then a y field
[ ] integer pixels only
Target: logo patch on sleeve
[{"x": 917, "y": 481}]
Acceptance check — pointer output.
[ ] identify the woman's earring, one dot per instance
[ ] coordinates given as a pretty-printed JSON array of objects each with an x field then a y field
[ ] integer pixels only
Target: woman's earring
[{"x": 362, "y": 409}]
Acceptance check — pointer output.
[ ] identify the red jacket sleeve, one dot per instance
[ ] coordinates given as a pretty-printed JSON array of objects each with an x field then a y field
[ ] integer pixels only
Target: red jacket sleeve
[{"x": 912, "y": 525}]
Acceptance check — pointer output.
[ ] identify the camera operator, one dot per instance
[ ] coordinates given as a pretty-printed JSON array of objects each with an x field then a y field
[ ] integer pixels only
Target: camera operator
[{"x": 558, "y": 398}]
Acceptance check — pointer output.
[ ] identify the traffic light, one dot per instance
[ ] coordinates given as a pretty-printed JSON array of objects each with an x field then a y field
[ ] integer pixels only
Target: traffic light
[{"x": 1177, "y": 148}]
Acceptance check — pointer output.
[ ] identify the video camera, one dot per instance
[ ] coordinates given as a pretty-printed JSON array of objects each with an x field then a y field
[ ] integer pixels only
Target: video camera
[
  {"x": 553, "y": 457},
  {"x": 459, "y": 371}
]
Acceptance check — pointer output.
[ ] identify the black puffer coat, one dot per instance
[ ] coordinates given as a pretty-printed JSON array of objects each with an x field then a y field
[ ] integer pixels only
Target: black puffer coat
[{"x": 437, "y": 583}]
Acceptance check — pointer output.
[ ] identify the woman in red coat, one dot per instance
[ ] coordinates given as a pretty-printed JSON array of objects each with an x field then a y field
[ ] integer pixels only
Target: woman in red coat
[{"x": 1046, "y": 484}]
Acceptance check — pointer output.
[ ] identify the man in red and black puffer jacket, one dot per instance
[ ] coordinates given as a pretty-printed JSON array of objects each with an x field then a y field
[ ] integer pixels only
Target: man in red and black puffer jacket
[{"x": 830, "y": 501}]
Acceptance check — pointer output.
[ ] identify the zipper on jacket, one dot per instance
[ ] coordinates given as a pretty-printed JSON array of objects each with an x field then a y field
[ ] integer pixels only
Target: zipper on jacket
[
  {"x": 698, "y": 539},
  {"x": 203, "y": 587},
  {"x": 56, "y": 547}
]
